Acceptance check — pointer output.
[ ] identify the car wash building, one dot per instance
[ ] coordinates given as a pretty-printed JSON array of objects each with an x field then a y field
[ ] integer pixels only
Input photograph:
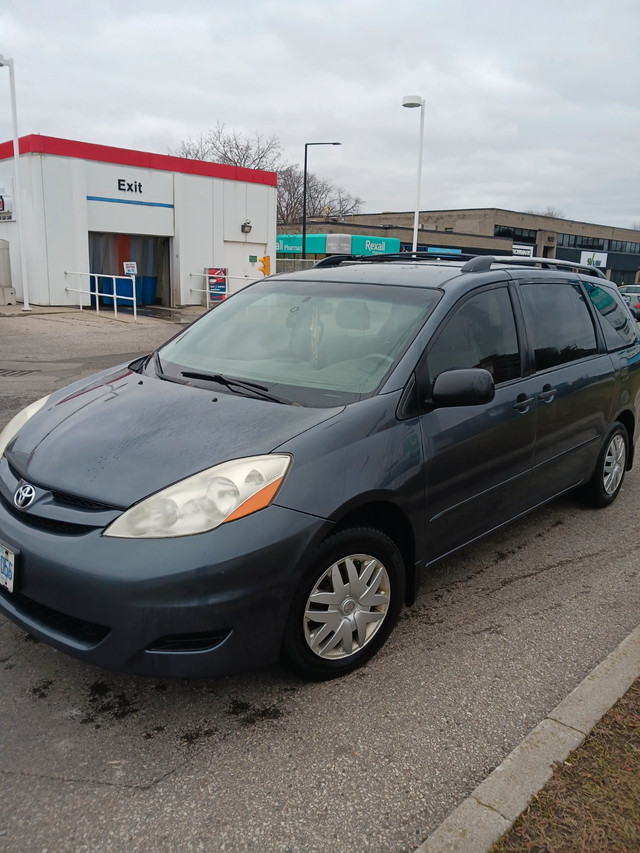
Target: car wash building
[{"x": 92, "y": 212}]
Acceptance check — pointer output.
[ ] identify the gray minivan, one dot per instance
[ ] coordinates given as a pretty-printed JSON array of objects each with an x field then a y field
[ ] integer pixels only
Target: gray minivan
[{"x": 273, "y": 481}]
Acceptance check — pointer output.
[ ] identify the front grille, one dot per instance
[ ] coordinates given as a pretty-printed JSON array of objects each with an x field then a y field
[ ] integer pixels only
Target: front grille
[
  {"x": 52, "y": 525},
  {"x": 81, "y": 503},
  {"x": 88, "y": 634}
]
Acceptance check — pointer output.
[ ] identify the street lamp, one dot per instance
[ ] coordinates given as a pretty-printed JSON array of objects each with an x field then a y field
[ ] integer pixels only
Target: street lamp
[
  {"x": 304, "y": 195},
  {"x": 17, "y": 200},
  {"x": 412, "y": 101}
]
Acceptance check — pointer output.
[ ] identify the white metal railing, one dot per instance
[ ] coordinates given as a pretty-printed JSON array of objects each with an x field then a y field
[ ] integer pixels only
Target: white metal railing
[
  {"x": 246, "y": 279},
  {"x": 98, "y": 293}
]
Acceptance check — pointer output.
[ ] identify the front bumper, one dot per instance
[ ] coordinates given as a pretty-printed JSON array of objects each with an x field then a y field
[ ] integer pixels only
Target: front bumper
[{"x": 196, "y": 606}]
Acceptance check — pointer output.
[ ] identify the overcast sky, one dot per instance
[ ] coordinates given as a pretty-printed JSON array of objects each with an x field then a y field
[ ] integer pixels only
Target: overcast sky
[{"x": 529, "y": 104}]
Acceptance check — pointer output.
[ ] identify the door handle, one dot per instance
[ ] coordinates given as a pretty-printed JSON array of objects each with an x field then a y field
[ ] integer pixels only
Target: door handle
[
  {"x": 547, "y": 394},
  {"x": 523, "y": 403}
]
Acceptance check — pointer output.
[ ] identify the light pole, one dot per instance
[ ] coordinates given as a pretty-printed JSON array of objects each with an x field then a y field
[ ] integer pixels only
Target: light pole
[
  {"x": 17, "y": 200},
  {"x": 416, "y": 101},
  {"x": 304, "y": 195}
]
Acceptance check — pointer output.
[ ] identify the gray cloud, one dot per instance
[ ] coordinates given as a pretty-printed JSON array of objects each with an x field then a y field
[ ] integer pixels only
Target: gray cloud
[{"x": 528, "y": 104}]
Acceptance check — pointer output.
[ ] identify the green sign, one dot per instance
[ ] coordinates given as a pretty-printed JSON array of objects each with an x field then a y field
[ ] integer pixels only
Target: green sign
[
  {"x": 374, "y": 245},
  {"x": 291, "y": 244},
  {"x": 317, "y": 244}
]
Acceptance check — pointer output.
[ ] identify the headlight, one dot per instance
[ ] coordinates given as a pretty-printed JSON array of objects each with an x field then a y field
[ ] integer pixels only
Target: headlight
[
  {"x": 16, "y": 423},
  {"x": 206, "y": 500}
]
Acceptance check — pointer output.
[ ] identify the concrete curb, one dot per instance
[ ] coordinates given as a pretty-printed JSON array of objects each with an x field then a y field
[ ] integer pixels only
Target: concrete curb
[{"x": 480, "y": 820}]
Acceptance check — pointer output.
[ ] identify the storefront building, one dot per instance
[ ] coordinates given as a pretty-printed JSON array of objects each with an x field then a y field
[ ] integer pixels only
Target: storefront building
[
  {"x": 87, "y": 210},
  {"x": 497, "y": 231}
]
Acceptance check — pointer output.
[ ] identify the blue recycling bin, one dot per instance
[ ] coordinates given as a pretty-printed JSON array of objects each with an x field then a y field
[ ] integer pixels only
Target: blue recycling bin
[
  {"x": 149, "y": 289},
  {"x": 124, "y": 287}
]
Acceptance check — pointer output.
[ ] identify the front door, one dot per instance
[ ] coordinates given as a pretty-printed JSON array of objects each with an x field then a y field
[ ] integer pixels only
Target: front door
[{"x": 477, "y": 458}]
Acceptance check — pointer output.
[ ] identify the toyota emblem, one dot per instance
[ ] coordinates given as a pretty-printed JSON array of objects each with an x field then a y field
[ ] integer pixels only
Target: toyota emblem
[{"x": 24, "y": 496}]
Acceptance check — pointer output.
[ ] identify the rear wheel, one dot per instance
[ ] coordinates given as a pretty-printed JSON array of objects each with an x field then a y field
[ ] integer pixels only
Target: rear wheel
[
  {"x": 346, "y": 605},
  {"x": 606, "y": 482}
]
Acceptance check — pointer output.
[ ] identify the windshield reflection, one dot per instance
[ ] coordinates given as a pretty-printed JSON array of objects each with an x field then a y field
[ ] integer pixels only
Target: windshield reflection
[{"x": 322, "y": 348}]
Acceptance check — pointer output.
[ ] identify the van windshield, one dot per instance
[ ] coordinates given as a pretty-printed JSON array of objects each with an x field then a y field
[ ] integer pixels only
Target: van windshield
[{"x": 322, "y": 345}]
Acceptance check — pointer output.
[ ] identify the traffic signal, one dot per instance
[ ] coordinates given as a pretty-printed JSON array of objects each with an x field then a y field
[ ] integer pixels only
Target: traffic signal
[{"x": 264, "y": 265}]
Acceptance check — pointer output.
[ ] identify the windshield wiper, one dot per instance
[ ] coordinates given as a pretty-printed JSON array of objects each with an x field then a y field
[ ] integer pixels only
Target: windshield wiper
[{"x": 232, "y": 384}]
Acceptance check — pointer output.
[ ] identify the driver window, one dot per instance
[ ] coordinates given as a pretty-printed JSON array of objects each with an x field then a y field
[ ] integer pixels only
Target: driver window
[{"x": 481, "y": 333}]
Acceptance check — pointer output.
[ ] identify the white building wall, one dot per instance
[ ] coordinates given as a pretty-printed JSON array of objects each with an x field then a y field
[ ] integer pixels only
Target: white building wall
[
  {"x": 193, "y": 243},
  {"x": 64, "y": 198},
  {"x": 9, "y": 236},
  {"x": 28, "y": 207},
  {"x": 66, "y": 245},
  {"x": 147, "y": 208},
  {"x": 209, "y": 214}
]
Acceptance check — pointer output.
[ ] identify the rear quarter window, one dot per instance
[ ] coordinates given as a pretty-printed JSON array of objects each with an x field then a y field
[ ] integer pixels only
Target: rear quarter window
[
  {"x": 619, "y": 328},
  {"x": 559, "y": 323}
]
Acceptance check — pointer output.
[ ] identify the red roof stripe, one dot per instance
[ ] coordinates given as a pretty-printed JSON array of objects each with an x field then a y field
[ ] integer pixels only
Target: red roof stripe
[{"x": 36, "y": 144}]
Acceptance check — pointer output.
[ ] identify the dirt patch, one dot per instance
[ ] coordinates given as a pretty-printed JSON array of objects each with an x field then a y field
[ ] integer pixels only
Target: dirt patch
[
  {"x": 592, "y": 802},
  {"x": 250, "y": 714},
  {"x": 195, "y": 735},
  {"x": 106, "y": 704}
]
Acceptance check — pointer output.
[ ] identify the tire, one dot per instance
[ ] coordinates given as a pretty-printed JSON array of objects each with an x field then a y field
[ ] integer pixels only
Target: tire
[
  {"x": 605, "y": 484},
  {"x": 346, "y": 605}
]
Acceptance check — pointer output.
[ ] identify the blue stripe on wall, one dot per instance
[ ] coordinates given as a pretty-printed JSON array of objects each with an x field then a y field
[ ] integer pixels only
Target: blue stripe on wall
[{"x": 129, "y": 201}]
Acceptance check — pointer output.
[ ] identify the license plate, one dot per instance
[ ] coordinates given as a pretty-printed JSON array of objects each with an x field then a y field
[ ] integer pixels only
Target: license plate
[{"x": 7, "y": 567}]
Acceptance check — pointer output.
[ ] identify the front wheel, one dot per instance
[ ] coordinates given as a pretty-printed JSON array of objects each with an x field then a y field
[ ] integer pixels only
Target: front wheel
[
  {"x": 606, "y": 482},
  {"x": 346, "y": 604}
]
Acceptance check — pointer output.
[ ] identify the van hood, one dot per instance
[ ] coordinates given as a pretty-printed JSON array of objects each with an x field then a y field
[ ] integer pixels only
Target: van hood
[{"x": 119, "y": 436}]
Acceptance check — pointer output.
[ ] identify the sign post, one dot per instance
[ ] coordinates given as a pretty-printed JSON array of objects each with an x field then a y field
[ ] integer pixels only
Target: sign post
[
  {"x": 131, "y": 270},
  {"x": 216, "y": 285}
]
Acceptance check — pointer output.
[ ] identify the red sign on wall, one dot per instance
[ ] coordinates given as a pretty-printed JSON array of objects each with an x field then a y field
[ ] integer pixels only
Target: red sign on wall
[{"x": 217, "y": 284}]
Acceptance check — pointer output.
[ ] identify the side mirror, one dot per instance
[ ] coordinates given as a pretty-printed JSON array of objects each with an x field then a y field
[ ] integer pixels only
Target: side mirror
[{"x": 469, "y": 387}]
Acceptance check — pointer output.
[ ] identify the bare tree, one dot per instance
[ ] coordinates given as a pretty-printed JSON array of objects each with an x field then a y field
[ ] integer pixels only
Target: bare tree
[
  {"x": 233, "y": 148},
  {"x": 197, "y": 148},
  {"x": 324, "y": 199},
  {"x": 636, "y": 226},
  {"x": 343, "y": 203},
  {"x": 258, "y": 152},
  {"x": 290, "y": 187}
]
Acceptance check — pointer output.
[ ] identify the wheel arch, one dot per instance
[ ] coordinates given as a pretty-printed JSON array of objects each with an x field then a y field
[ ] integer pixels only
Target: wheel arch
[
  {"x": 628, "y": 421},
  {"x": 392, "y": 521}
]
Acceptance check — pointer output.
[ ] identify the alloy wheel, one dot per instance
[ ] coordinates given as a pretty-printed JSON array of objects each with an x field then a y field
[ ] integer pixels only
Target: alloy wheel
[
  {"x": 614, "y": 464},
  {"x": 347, "y": 606}
]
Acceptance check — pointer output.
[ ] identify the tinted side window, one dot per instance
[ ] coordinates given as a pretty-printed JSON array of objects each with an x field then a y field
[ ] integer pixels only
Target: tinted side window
[
  {"x": 558, "y": 322},
  {"x": 481, "y": 333},
  {"x": 619, "y": 328}
]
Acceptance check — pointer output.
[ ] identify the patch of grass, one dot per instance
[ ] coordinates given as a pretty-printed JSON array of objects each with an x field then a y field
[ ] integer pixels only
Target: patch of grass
[{"x": 592, "y": 802}]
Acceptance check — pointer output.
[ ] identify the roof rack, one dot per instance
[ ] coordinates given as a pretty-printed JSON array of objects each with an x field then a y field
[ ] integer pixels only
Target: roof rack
[
  {"x": 336, "y": 260},
  {"x": 482, "y": 263},
  {"x": 473, "y": 263}
]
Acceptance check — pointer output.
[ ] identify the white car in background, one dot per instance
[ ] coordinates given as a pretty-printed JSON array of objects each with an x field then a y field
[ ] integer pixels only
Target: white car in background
[{"x": 631, "y": 295}]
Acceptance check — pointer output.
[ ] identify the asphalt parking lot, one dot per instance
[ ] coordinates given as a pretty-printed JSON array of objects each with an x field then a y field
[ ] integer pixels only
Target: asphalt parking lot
[{"x": 94, "y": 760}]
